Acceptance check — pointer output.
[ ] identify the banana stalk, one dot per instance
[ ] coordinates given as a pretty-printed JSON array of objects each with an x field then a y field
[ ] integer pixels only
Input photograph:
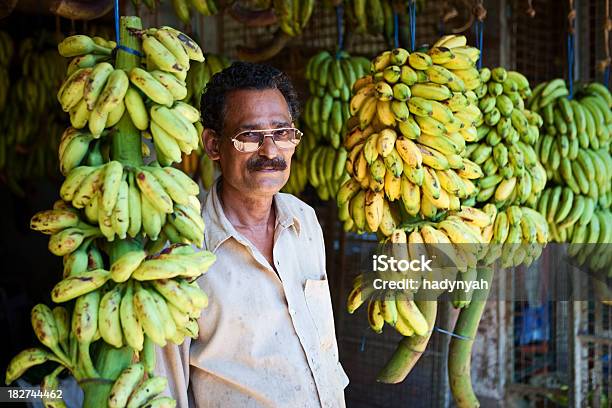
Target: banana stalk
[
  {"x": 409, "y": 350},
  {"x": 126, "y": 148},
  {"x": 460, "y": 349}
]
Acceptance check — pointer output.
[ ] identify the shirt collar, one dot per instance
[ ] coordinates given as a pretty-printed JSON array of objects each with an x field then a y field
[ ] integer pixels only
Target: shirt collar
[{"x": 219, "y": 228}]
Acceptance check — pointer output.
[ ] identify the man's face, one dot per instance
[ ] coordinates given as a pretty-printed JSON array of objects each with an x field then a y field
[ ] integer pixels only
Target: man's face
[{"x": 263, "y": 172}]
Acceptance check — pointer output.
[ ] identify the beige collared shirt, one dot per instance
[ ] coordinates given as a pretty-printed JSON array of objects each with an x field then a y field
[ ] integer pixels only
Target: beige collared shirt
[{"x": 266, "y": 340}]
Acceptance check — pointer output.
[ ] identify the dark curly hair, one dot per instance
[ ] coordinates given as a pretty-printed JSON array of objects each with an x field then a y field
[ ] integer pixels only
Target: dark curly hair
[{"x": 243, "y": 75}]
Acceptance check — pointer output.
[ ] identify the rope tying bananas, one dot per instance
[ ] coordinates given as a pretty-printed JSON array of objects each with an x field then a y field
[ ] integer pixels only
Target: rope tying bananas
[
  {"x": 116, "y": 215},
  {"x": 506, "y": 140}
]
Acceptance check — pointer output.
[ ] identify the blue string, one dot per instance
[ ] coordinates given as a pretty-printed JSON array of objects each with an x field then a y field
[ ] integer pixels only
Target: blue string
[
  {"x": 340, "y": 29},
  {"x": 395, "y": 29},
  {"x": 412, "y": 15},
  {"x": 117, "y": 21},
  {"x": 570, "y": 64},
  {"x": 452, "y": 334},
  {"x": 362, "y": 346},
  {"x": 479, "y": 27},
  {"x": 117, "y": 34},
  {"x": 607, "y": 76}
]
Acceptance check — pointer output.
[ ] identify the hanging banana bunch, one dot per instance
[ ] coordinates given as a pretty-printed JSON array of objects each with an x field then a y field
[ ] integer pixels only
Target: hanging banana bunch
[
  {"x": 198, "y": 164},
  {"x": 117, "y": 212},
  {"x": 505, "y": 141},
  {"x": 376, "y": 17},
  {"x": 298, "y": 176},
  {"x": 292, "y": 16},
  {"x": 589, "y": 239},
  {"x": 575, "y": 151},
  {"x": 406, "y": 141},
  {"x": 26, "y": 150},
  {"x": 7, "y": 48},
  {"x": 183, "y": 9},
  {"x": 461, "y": 239},
  {"x": 325, "y": 116}
]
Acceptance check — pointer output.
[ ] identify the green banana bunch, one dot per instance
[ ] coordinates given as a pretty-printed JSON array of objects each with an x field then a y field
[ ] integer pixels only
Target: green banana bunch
[
  {"x": 406, "y": 138},
  {"x": 26, "y": 150},
  {"x": 589, "y": 239},
  {"x": 293, "y": 15},
  {"x": 575, "y": 149},
  {"x": 184, "y": 8},
  {"x": 298, "y": 176},
  {"x": 330, "y": 80},
  {"x": 506, "y": 141},
  {"x": 375, "y": 17},
  {"x": 130, "y": 389},
  {"x": 326, "y": 114}
]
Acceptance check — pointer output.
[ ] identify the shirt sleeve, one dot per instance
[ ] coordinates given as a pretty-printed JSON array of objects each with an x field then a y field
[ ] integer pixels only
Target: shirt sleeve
[{"x": 173, "y": 363}]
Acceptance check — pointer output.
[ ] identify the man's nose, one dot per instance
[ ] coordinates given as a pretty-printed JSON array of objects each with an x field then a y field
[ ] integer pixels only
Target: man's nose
[{"x": 268, "y": 148}]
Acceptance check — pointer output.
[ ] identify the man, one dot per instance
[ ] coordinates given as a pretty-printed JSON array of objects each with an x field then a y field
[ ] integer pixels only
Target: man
[{"x": 267, "y": 337}]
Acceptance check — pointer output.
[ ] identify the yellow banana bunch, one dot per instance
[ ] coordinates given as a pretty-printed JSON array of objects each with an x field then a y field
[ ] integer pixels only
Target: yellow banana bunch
[
  {"x": 411, "y": 120},
  {"x": 456, "y": 243},
  {"x": 298, "y": 177},
  {"x": 506, "y": 140},
  {"x": 123, "y": 202},
  {"x": 517, "y": 237},
  {"x": 117, "y": 210}
]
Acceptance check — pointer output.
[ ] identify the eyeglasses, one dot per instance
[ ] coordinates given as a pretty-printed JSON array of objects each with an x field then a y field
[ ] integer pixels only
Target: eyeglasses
[{"x": 251, "y": 140}]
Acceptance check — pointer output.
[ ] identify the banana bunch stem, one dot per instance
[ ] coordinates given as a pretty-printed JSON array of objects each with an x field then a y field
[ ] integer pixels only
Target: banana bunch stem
[
  {"x": 409, "y": 350},
  {"x": 460, "y": 349},
  {"x": 111, "y": 363},
  {"x": 126, "y": 148}
]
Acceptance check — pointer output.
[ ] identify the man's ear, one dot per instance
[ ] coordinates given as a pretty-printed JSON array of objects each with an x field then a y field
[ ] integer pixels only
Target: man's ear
[{"x": 211, "y": 144}]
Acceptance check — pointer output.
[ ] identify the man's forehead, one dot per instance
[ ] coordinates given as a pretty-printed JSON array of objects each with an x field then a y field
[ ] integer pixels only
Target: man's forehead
[{"x": 253, "y": 108}]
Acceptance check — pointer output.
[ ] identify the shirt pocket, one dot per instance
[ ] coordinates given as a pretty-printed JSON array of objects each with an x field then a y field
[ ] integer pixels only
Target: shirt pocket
[{"x": 319, "y": 304}]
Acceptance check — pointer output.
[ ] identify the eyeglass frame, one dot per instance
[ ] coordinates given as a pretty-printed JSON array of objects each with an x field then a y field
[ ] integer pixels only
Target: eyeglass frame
[{"x": 263, "y": 138}]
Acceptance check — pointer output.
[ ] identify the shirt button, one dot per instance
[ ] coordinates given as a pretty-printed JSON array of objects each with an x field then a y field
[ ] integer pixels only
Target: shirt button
[{"x": 292, "y": 312}]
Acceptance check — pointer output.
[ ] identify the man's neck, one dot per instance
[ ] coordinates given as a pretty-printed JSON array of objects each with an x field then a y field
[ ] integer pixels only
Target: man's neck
[{"x": 241, "y": 211}]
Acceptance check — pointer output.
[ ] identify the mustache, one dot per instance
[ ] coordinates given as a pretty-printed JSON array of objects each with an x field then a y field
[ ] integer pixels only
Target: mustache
[{"x": 259, "y": 163}]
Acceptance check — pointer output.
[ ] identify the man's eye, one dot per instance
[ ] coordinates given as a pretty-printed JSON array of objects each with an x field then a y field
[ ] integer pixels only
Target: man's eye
[
  {"x": 282, "y": 134},
  {"x": 249, "y": 136}
]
